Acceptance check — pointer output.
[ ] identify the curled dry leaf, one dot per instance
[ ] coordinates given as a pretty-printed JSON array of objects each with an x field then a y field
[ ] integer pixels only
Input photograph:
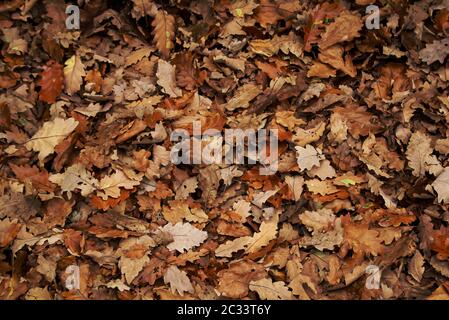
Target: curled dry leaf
[{"x": 163, "y": 32}]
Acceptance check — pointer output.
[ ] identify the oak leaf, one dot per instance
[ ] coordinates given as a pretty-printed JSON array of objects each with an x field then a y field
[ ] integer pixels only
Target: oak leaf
[
  {"x": 346, "y": 27},
  {"x": 234, "y": 281},
  {"x": 110, "y": 186},
  {"x": 8, "y": 231},
  {"x": 315, "y": 24},
  {"x": 363, "y": 240},
  {"x": 75, "y": 177},
  {"x": 73, "y": 74},
  {"x": 167, "y": 79},
  {"x": 39, "y": 179},
  {"x": 267, "y": 232},
  {"x": 308, "y": 157},
  {"x": 51, "y": 82},
  {"x": 269, "y": 290},
  {"x": 296, "y": 185},
  {"x": 185, "y": 236},
  {"x": 141, "y": 8},
  {"x": 178, "y": 280},
  {"x": 324, "y": 171},
  {"x": 321, "y": 187},
  {"x": 267, "y": 13},
  {"x": 441, "y": 186},
  {"x": 436, "y": 51},
  {"x": 242, "y": 97},
  {"x": 335, "y": 57},
  {"x": 416, "y": 266},
  {"x": 419, "y": 155},
  {"x": 325, "y": 240},
  {"x": 319, "y": 220},
  {"x": 50, "y": 135},
  {"x": 133, "y": 253}
]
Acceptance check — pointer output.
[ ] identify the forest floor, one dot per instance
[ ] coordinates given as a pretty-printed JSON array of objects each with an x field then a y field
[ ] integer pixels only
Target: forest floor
[{"x": 94, "y": 205}]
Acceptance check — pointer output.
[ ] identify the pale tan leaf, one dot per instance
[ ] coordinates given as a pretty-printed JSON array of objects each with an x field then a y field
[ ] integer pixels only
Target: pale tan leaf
[
  {"x": 324, "y": 171},
  {"x": 50, "y": 135},
  {"x": 167, "y": 78},
  {"x": 186, "y": 188},
  {"x": 269, "y": 290},
  {"x": 319, "y": 220},
  {"x": 75, "y": 177},
  {"x": 321, "y": 187},
  {"x": 295, "y": 184},
  {"x": 419, "y": 155},
  {"x": 110, "y": 186},
  {"x": 178, "y": 280},
  {"x": 185, "y": 236},
  {"x": 267, "y": 232},
  {"x": 441, "y": 186},
  {"x": 308, "y": 157},
  {"x": 229, "y": 247}
]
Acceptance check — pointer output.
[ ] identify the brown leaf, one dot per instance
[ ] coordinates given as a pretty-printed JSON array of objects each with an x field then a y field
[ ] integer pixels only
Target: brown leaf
[
  {"x": 163, "y": 33},
  {"x": 363, "y": 240},
  {"x": 267, "y": 13},
  {"x": 51, "y": 82},
  {"x": 187, "y": 75},
  {"x": 359, "y": 121},
  {"x": 8, "y": 231},
  {"x": 334, "y": 56},
  {"x": 39, "y": 179},
  {"x": 315, "y": 25},
  {"x": 234, "y": 281},
  {"x": 346, "y": 27}
]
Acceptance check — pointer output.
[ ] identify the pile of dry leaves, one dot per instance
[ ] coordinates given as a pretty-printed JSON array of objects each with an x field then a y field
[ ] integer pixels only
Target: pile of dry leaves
[{"x": 86, "y": 177}]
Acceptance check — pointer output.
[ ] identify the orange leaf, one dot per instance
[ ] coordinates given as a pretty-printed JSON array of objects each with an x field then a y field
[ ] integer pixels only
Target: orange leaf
[
  {"x": 99, "y": 203},
  {"x": 316, "y": 23},
  {"x": 94, "y": 77},
  {"x": 8, "y": 231},
  {"x": 440, "y": 243},
  {"x": 39, "y": 179},
  {"x": 51, "y": 82}
]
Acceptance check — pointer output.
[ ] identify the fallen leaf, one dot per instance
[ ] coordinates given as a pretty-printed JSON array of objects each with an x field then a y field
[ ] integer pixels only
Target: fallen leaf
[
  {"x": 167, "y": 79},
  {"x": 178, "y": 280},
  {"x": 51, "y": 82},
  {"x": 73, "y": 75},
  {"x": 269, "y": 290},
  {"x": 50, "y": 135},
  {"x": 185, "y": 236}
]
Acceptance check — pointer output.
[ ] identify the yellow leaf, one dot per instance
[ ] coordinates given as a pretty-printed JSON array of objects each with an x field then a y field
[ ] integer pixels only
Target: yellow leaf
[{"x": 73, "y": 74}]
